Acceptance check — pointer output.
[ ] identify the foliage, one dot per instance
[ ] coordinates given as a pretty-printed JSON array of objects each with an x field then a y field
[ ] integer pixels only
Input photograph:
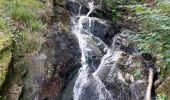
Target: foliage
[
  {"x": 164, "y": 6},
  {"x": 115, "y": 4},
  {"x": 153, "y": 36},
  {"x": 137, "y": 74},
  {"x": 36, "y": 25},
  {"x": 21, "y": 20},
  {"x": 162, "y": 97},
  {"x": 2, "y": 24},
  {"x": 120, "y": 2}
]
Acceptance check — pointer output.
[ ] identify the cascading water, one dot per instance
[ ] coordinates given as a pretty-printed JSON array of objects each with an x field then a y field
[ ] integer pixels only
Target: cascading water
[
  {"x": 105, "y": 73},
  {"x": 82, "y": 28}
]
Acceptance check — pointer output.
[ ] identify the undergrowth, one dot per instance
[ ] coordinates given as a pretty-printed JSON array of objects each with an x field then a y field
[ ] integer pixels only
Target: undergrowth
[
  {"x": 20, "y": 20},
  {"x": 153, "y": 36}
]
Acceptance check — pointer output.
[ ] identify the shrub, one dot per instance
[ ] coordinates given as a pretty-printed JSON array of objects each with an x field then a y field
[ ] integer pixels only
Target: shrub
[
  {"x": 21, "y": 14},
  {"x": 36, "y": 25},
  {"x": 153, "y": 36},
  {"x": 162, "y": 97}
]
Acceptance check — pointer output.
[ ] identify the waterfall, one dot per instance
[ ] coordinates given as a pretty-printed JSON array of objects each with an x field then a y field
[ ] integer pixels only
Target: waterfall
[
  {"x": 91, "y": 6},
  {"x": 85, "y": 74}
]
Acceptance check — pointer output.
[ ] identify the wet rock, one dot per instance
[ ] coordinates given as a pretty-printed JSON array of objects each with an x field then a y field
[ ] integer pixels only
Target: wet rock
[
  {"x": 95, "y": 53},
  {"x": 102, "y": 12},
  {"x": 89, "y": 91},
  {"x": 123, "y": 72},
  {"x": 67, "y": 93},
  {"x": 104, "y": 32},
  {"x": 81, "y": 7},
  {"x": 76, "y": 8},
  {"x": 121, "y": 43},
  {"x": 101, "y": 29}
]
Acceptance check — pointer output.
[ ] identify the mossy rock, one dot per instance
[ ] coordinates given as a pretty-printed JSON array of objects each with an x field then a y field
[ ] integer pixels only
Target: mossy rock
[
  {"x": 164, "y": 87},
  {"x": 5, "y": 57}
]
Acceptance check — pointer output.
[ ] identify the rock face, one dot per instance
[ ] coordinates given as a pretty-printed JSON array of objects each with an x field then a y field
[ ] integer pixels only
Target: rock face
[
  {"x": 5, "y": 56},
  {"x": 56, "y": 63},
  {"x": 101, "y": 11},
  {"x": 45, "y": 73},
  {"x": 51, "y": 66}
]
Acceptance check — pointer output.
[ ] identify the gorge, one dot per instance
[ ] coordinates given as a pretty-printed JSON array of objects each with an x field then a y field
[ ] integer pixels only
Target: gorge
[{"x": 84, "y": 56}]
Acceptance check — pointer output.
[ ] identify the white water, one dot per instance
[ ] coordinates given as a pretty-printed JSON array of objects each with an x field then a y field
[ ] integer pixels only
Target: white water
[
  {"x": 91, "y": 6},
  {"x": 83, "y": 76}
]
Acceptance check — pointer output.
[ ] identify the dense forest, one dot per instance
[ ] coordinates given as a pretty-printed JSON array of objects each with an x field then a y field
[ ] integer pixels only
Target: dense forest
[{"x": 84, "y": 49}]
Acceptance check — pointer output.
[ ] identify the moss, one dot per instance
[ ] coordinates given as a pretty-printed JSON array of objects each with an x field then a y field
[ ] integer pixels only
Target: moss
[
  {"x": 4, "y": 63},
  {"x": 162, "y": 96},
  {"x": 2, "y": 24},
  {"x": 4, "y": 41},
  {"x": 20, "y": 19},
  {"x": 5, "y": 57}
]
